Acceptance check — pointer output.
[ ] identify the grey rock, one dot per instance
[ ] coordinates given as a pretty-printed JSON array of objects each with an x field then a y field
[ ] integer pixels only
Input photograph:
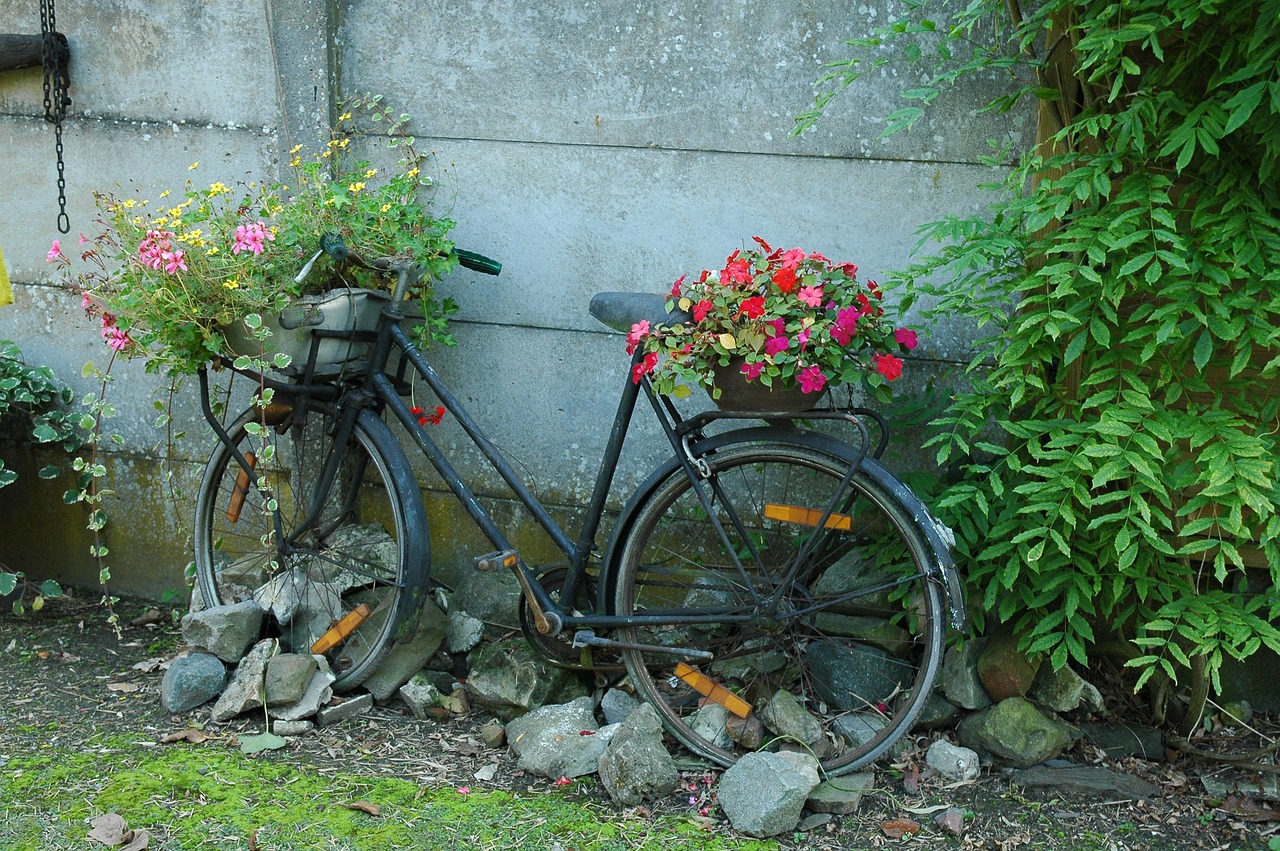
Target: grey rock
[
  {"x": 490, "y": 596},
  {"x": 859, "y": 728},
  {"x": 318, "y": 692},
  {"x": 340, "y": 710},
  {"x": 855, "y": 569},
  {"x": 1059, "y": 690},
  {"x": 509, "y": 678},
  {"x": 960, "y": 681},
  {"x": 293, "y": 728},
  {"x": 407, "y": 657},
  {"x": 950, "y": 821},
  {"x": 1116, "y": 740},
  {"x": 617, "y": 705},
  {"x": 635, "y": 766},
  {"x": 1005, "y": 670},
  {"x": 191, "y": 680},
  {"x": 763, "y": 794},
  {"x": 711, "y": 722},
  {"x": 853, "y": 678},
  {"x": 225, "y": 631},
  {"x": 804, "y": 762},
  {"x": 937, "y": 712},
  {"x": 288, "y": 676},
  {"x": 1015, "y": 732},
  {"x": 420, "y": 694},
  {"x": 464, "y": 632},
  {"x": 1091, "y": 700},
  {"x": 954, "y": 763},
  {"x": 1087, "y": 779},
  {"x": 786, "y": 717},
  {"x": 549, "y": 740},
  {"x": 245, "y": 689},
  {"x": 840, "y": 795}
]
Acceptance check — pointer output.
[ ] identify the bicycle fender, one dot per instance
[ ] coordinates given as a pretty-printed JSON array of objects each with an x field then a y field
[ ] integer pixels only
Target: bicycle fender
[{"x": 938, "y": 537}]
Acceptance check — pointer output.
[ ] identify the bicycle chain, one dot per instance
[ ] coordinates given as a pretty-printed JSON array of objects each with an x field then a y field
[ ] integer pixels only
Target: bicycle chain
[{"x": 57, "y": 82}]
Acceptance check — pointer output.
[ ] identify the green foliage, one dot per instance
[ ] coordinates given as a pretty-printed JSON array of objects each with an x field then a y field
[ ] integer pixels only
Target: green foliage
[
  {"x": 32, "y": 397},
  {"x": 1116, "y": 448}
]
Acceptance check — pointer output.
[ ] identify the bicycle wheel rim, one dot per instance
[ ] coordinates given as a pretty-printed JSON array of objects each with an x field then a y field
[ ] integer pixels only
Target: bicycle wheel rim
[
  {"x": 345, "y": 579},
  {"x": 847, "y": 661}
]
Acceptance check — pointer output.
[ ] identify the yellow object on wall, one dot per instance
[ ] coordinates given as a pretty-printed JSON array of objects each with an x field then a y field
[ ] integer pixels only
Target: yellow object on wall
[{"x": 6, "y": 292}]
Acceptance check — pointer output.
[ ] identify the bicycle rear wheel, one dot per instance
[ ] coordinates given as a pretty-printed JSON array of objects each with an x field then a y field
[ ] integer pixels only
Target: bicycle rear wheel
[
  {"x": 845, "y": 660},
  {"x": 349, "y": 563}
]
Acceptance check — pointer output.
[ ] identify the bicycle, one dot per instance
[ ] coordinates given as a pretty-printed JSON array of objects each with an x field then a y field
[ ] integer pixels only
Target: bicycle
[{"x": 767, "y": 583}]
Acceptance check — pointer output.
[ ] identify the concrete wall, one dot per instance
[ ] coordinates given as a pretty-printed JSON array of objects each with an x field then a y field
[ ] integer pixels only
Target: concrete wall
[{"x": 587, "y": 145}]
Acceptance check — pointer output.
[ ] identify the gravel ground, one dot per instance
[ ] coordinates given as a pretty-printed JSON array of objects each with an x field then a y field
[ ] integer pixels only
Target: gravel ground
[{"x": 66, "y": 678}]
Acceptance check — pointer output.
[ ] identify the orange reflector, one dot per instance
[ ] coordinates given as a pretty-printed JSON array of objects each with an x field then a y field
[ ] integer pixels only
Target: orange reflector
[
  {"x": 713, "y": 691},
  {"x": 806, "y": 516},
  {"x": 339, "y": 631},
  {"x": 241, "y": 490}
]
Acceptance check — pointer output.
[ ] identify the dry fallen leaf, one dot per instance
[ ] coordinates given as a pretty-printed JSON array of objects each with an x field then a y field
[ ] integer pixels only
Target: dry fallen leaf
[
  {"x": 900, "y": 827},
  {"x": 146, "y": 666},
  {"x": 123, "y": 688},
  {"x": 365, "y": 807},
  {"x": 486, "y": 774},
  {"x": 111, "y": 829},
  {"x": 191, "y": 734}
]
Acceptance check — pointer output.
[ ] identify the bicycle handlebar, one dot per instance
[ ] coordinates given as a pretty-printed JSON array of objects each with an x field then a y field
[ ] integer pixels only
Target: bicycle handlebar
[{"x": 334, "y": 245}]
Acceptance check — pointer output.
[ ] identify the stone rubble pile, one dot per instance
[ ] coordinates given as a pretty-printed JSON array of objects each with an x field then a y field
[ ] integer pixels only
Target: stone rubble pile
[{"x": 1005, "y": 710}]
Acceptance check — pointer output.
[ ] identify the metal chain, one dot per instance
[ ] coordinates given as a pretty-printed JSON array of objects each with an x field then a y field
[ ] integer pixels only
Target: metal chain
[{"x": 57, "y": 81}]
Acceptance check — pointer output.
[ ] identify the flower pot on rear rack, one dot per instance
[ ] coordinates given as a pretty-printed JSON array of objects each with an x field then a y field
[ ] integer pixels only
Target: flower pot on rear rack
[
  {"x": 737, "y": 393},
  {"x": 344, "y": 310}
]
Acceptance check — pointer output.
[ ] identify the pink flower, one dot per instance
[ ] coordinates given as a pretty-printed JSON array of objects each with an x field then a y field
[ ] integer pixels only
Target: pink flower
[
  {"x": 638, "y": 332},
  {"x": 55, "y": 253},
  {"x": 803, "y": 338},
  {"x": 736, "y": 270},
  {"x": 792, "y": 258},
  {"x": 251, "y": 237},
  {"x": 563, "y": 781},
  {"x": 83, "y": 239},
  {"x": 888, "y": 366},
  {"x": 811, "y": 379},
  {"x": 752, "y": 370},
  {"x": 86, "y": 303},
  {"x": 173, "y": 261},
  {"x": 773, "y": 345},
  {"x": 811, "y": 296},
  {"x": 906, "y": 338},
  {"x": 464, "y": 790},
  {"x": 846, "y": 325}
]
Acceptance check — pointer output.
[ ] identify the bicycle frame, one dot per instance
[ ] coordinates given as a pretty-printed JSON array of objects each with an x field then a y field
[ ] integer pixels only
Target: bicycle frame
[{"x": 377, "y": 389}]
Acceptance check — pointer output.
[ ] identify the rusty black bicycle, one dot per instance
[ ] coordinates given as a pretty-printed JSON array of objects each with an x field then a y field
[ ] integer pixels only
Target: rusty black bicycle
[{"x": 770, "y": 582}]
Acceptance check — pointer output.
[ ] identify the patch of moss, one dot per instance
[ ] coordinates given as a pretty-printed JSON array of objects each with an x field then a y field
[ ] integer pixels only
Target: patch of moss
[{"x": 211, "y": 798}]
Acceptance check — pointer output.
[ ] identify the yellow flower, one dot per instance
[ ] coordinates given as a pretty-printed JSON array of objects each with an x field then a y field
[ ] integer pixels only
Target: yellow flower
[
  {"x": 160, "y": 222},
  {"x": 355, "y": 188},
  {"x": 213, "y": 249},
  {"x": 219, "y": 188},
  {"x": 295, "y": 149},
  {"x": 373, "y": 172},
  {"x": 346, "y": 116},
  {"x": 295, "y": 162},
  {"x": 128, "y": 203},
  {"x": 386, "y": 208},
  {"x": 164, "y": 194},
  {"x": 175, "y": 212},
  {"x": 231, "y": 283},
  {"x": 193, "y": 166},
  {"x": 413, "y": 172}
]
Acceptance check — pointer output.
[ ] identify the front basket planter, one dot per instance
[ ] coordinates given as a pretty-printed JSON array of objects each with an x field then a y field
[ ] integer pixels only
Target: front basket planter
[
  {"x": 739, "y": 394},
  {"x": 344, "y": 310}
]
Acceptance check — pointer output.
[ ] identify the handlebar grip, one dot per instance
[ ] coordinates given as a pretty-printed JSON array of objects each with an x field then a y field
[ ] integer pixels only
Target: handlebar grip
[
  {"x": 477, "y": 262},
  {"x": 333, "y": 245}
]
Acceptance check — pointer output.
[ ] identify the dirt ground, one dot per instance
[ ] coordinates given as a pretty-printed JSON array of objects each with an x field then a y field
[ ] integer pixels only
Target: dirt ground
[{"x": 65, "y": 678}]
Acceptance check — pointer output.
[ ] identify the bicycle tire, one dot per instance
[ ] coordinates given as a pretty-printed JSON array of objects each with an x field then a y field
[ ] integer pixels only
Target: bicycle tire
[
  {"x": 368, "y": 545},
  {"x": 858, "y": 669}
]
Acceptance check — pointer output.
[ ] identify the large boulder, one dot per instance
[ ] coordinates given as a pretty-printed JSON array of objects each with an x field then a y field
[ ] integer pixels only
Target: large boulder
[
  {"x": 509, "y": 678},
  {"x": 635, "y": 765},
  {"x": 763, "y": 793},
  {"x": 558, "y": 740},
  {"x": 1015, "y": 732}
]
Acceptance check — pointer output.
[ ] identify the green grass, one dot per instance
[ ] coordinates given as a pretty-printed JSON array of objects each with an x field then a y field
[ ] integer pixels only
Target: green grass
[{"x": 209, "y": 797}]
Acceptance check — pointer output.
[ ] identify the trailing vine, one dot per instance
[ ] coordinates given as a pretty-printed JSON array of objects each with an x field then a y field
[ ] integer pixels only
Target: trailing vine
[{"x": 1116, "y": 445}]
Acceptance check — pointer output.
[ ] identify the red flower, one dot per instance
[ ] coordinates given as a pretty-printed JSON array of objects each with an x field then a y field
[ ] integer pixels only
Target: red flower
[
  {"x": 701, "y": 309},
  {"x": 424, "y": 417},
  {"x": 675, "y": 288},
  {"x": 751, "y": 308},
  {"x": 785, "y": 279},
  {"x": 760, "y": 242},
  {"x": 736, "y": 270},
  {"x": 888, "y": 366},
  {"x": 643, "y": 368}
]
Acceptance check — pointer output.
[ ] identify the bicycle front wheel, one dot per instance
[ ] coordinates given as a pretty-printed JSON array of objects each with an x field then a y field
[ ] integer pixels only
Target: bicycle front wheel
[
  {"x": 347, "y": 563},
  {"x": 827, "y": 640}
]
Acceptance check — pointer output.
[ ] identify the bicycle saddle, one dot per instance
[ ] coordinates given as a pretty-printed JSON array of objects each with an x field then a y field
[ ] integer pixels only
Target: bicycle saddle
[{"x": 622, "y": 310}]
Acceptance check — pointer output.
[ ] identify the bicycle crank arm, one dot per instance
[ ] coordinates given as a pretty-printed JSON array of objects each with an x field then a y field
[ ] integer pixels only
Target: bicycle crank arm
[{"x": 587, "y": 638}]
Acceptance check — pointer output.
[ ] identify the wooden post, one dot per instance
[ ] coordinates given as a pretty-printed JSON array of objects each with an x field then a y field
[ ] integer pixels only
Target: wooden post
[{"x": 24, "y": 51}]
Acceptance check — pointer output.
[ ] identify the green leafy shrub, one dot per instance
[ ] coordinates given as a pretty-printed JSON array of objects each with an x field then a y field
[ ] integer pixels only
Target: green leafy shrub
[
  {"x": 32, "y": 400},
  {"x": 1116, "y": 449}
]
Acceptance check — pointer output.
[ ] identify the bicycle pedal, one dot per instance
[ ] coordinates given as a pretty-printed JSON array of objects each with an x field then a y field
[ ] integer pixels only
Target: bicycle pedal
[{"x": 495, "y": 560}]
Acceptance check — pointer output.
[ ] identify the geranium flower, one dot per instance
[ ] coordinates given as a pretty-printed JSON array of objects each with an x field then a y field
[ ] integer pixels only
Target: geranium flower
[
  {"x": 811, "y": 296},
  {"x": 906, "y": 337},
  {"x": 752, "y": 370},
  {"x": 675, "y": 288},
  {"x": 811, "y": 379},
  {"x": 785, "y": 279},
  {"x": 773, "y": 345},
  {"x": 888, "y": 366},
  {"x": 701, "y": 309},
  {"x": 752, "y": 308},
  {"x": 643, "y": 368},
  {"x": 737, "y": 270},
  {"x": 792, "y": 258},
  {"x": 638, "y": 332}
]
